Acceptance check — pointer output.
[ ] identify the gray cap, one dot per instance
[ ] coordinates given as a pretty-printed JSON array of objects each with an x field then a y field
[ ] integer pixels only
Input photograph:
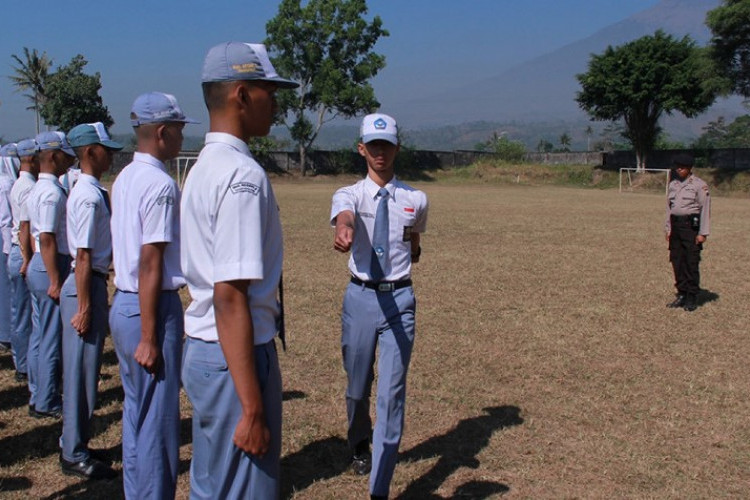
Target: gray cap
[
  {"x": 54, "y": 140},
  {"x": 26, "y": 147},
  {"x": 231, "y": 61},
  {"x": 157, "y": 107}
]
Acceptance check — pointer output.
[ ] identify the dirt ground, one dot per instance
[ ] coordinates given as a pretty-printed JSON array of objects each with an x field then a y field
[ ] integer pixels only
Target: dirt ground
[{"x": 546, "y": 364}]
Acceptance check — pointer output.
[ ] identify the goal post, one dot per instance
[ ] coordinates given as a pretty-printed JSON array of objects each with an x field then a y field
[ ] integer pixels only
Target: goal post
[
  {"x": 184, "y": 162},
  {"x": 632, "y": 178}
]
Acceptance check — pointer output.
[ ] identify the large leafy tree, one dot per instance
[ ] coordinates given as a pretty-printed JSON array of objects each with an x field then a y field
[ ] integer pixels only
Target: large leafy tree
[
  {"x": 730, "y": 44},
  {"x": 326, "y": 45},
  {"x": 31, "y": 73},
  {"x": 73, "y": 97},
  {"x": 640, "y": 81}
]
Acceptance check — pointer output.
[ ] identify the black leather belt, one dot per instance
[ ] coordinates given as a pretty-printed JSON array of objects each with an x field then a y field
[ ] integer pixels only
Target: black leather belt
[
  {"x": 383, "y": 286},
  {"x": 100, "y": 274},
  {"x": 682, "y": 218}
]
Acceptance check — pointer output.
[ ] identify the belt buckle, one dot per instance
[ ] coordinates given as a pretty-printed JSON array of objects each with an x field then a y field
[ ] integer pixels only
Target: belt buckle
[{"x": 385, "y": 287}]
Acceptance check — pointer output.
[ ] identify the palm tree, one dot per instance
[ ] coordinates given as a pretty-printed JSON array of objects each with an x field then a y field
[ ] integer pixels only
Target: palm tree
[{"x": 31, "y": 75}]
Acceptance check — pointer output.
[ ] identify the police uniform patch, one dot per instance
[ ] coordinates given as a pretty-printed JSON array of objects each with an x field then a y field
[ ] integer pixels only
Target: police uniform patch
[
  {"x": 244, "y": 187},
  {"x": 407, "y": 233},
  {"x": 165, "y": 200}
]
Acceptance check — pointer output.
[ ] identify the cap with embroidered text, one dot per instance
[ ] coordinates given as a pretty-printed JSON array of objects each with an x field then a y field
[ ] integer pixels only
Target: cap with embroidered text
[
  {"x": 86, "y": 134},
  {"x": 10, "y": 150},
  {"x": 241, "y": 61},
  {"x": 157, "y": 107},
  {"x": 379, "y": 126},
  {"x": 26, "y": 147},
  {"x": 54, "y": 140}
]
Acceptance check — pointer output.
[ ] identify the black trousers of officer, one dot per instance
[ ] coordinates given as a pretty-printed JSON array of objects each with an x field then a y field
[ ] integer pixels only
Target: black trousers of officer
[{"x": 685, "y": 255}]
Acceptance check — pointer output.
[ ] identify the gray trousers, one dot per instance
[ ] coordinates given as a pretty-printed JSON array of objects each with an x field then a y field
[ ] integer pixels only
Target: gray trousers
[
  {"x": 20, "y": 310},
  {"x": 219, "y": 469},
  {"x": 44, "y": 358},
  {"x": 5, "y": 294},
  {"x": 385, "y": 320},
  {"x": 151, "y": 411},
  {"x": 82, "y": 360}
]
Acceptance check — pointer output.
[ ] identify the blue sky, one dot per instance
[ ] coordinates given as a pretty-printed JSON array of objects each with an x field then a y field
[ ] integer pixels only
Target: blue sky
[{"x": 144, "y": 45}]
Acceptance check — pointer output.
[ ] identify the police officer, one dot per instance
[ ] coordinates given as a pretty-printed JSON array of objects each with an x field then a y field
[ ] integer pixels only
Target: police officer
[
  {"x": 232, "y": 256},
  {"x": 687, "y": 225},
  {"x": 83, "y": 300},
  {"x": 146, "y": 318},
  {"x": 20, "y": 255},
  {"x": 380, "y": 220},
  {"x": 47, "y": 271}
]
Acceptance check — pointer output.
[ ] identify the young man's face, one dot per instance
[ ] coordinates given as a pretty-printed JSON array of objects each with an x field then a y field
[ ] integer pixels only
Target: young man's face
[
  {"x": 101, "y": 159},
  {"x": 263, "y": 107},
  {"x": 379, "y": 155},
  {"x": 172, "y": 137}
]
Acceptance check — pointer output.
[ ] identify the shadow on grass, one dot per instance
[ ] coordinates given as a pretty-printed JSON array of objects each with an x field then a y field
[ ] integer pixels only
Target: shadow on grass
[
  {"x": 43, "y": 440},
  {"x": 706, "y": 296},
  {"x": 317, "y": 461},
  {"x": 459, "y": 448},
  {"x": 14, "y": 397},
  {"x": 6, "y": 361},
  {"x": 14, "y": 483},
  {"x": 103, "y": 489},
  {"x": 290, "y": 395}
]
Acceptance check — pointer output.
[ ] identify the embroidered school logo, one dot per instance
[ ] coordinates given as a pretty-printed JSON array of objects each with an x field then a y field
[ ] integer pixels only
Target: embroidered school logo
[
  {"x": 244, "y": 187},
  {"x": 380, "y": 124},
  {"x": 409, "y": 210}
]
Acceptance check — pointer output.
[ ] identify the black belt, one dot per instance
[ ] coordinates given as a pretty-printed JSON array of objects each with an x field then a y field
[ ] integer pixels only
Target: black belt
[
  {"x": 682, "y": 218},
  {"x": 383, "y": 286},
  {"x": 100, "y": 274}
]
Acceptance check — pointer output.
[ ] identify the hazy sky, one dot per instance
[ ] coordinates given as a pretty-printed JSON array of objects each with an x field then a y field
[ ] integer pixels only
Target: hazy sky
[{"x": 144, "y": 45}]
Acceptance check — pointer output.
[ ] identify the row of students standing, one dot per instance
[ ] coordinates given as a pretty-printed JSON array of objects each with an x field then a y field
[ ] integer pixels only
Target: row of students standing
[{"x": 231, "y": 257}]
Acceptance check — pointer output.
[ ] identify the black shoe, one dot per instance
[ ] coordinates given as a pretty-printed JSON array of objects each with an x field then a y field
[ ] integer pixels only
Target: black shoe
[
  {"x": 679, "y": 301},
  {"x": 362, "y": 464},
  {"x": 378, "y": 497},
  {"x": 691, "y": 304},
  {"x": 87, "y": 469},
  {"x": 21, "y": 377},
  {"x": 56, "y": 414}
]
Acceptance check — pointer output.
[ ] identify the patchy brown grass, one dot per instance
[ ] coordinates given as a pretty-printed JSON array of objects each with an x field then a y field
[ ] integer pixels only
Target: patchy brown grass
[{"x": 545, "y": 365}]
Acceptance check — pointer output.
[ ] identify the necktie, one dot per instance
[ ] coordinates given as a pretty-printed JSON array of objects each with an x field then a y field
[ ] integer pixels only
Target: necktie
[
  {"x": 380, "y": 238},
  {"x": 105, "y": 195}
]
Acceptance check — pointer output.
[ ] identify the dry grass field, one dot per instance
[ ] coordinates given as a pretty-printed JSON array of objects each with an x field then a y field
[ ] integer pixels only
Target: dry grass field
[{"x": 546, "y": 364}]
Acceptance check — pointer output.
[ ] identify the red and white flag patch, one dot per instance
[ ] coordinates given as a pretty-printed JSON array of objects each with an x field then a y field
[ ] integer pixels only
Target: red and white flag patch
[{"x": 409, "y": 210}]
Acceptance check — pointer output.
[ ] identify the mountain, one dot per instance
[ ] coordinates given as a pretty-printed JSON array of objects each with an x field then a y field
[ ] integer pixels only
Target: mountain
[{"x": 543, "y": 89}]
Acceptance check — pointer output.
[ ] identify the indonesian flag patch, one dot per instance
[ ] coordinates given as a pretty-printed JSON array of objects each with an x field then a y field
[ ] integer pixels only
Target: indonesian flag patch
[{"x": 409, "y": 210}]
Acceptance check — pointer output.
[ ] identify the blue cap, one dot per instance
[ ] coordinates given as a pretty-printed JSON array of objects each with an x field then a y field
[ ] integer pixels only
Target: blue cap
[
  {"x": 10, "y": 150},
  {"x": 241, "y": 61},
  {"x": 157, "y": 107},
  {"x": 54, "y": 140},
  {"x": 26, "y": 147},
  {"x": 86, "y": 134},
  {"x": 379, "y": 126}
]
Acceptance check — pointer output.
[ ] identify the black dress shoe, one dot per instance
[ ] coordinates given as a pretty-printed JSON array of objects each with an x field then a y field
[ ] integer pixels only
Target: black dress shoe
[
  {"x": 33, "y": 412},
  {"x": 378, "y": 497},
  {"x": 691, "y": 304},
  {"x": 679, "y": 301},
  {"x": 361, "y": 464},
  {"x": 87, "y": 469},
  {"x": 21, "y": 377}
]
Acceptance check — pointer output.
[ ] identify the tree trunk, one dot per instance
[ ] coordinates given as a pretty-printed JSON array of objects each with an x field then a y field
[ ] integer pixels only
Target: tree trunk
[{"x": 303, "y": 159}]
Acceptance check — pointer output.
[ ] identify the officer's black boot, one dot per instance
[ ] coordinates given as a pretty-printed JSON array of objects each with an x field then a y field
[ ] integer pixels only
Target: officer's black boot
[
  {"x": 679, "y": 301},
  {"x": 691, "y": 304}
]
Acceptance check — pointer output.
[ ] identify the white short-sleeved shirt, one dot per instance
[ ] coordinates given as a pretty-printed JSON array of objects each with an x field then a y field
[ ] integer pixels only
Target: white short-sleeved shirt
[
  {"x": 407, "y": 214},
  {"x": 88, "y": 223},
  {"x": 10, "y": 166},
  {"x": 145, "y": 209},
  {"x": 231, "y": 231},
  {"x": 19, "y": 196},
  {"x": 69, "y": 178},
  {"x": 6, "y": 213},
  {"x": 47, "y": 212}
]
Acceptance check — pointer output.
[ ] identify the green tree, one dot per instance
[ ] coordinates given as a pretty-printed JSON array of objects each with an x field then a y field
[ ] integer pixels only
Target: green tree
[
  {"x": 31, "y": 73},
  {"x": 504, "y": 148},
  {"x": 325, "y": 45},
  {"x": 640, "y": 81},
  {"x": 544, "y": 146},
  {"x": 730, "y": 44},
  {"x": 717, "y": 134},
  {"x": 73, "y": 97},
  {"x": 565, "y": 142}
]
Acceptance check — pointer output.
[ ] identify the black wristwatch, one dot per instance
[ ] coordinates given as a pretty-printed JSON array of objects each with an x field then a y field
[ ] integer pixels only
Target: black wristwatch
[{"x": 415, "y": 255}]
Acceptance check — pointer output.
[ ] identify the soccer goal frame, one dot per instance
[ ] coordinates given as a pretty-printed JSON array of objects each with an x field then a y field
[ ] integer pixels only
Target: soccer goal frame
[
  {"x": 629, "y": 171},
  {"x": 184, "y": 162}
]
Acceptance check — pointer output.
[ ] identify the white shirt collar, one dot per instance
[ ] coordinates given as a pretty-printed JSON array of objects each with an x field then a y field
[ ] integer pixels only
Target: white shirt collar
[
  {"x": 90, "y": 179},
  {"x": 372, "y": 187},
  {"x": 151, "y": 160},
  {"x": 229, "y": 140}
]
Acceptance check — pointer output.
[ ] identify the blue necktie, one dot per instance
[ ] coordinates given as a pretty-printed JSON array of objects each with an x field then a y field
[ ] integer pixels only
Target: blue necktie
[{"x": 380, "y": 238}]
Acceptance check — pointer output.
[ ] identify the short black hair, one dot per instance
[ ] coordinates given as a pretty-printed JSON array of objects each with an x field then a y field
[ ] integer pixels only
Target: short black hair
[{"x": 215, "y": 93}]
